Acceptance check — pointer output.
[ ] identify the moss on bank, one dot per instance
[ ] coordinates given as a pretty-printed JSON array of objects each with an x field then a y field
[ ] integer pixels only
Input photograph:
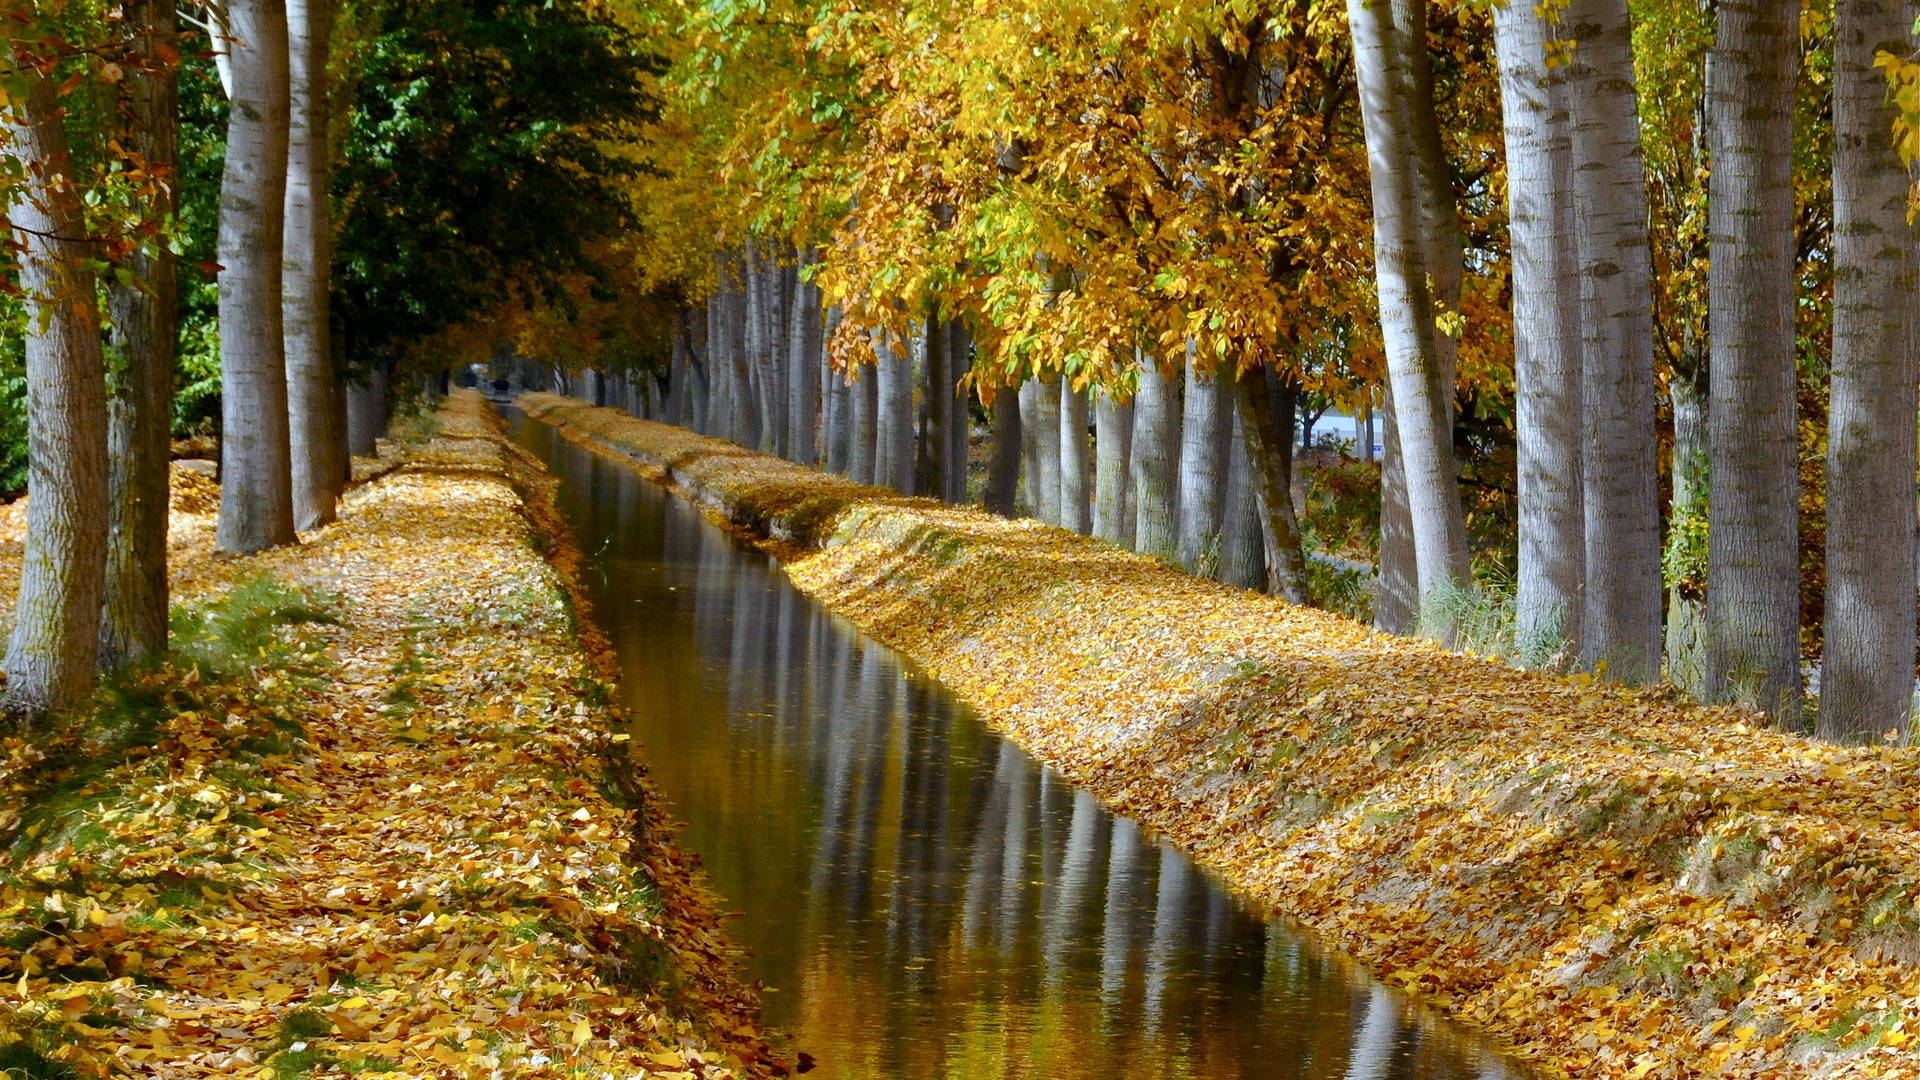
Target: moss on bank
[{"x": 1613, "y": 883}]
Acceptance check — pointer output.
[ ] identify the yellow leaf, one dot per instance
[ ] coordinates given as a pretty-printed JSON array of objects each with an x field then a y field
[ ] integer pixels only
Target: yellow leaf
[{"x": 582, "y": 1031}]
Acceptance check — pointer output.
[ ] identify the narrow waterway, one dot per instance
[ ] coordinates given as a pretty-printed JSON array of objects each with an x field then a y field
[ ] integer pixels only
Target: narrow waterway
[{"x": 919, "y": 897}]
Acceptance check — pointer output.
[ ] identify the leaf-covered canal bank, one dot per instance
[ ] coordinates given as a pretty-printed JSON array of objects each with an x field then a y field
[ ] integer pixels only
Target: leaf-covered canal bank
[
  {"x": 359, "y": 822},
  {"x": 1614, "y": 884}
]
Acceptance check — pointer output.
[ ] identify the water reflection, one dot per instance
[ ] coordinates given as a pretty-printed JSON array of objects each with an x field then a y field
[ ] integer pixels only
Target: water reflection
[{"x": 920, "y": 898}]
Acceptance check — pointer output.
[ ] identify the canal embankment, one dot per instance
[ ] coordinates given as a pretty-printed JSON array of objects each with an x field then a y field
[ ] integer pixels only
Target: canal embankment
[
  {"x": 1612, "y": 882},
  {"x": 371, "y": 815}
]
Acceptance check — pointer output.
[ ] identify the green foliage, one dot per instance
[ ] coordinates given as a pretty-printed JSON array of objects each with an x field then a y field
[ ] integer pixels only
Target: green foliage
[{"x": 478, "y": 165}]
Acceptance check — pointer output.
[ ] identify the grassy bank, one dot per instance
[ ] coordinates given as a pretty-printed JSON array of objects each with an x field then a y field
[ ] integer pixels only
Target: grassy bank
[
  {"x": 361, "y": 822},
  {"x": 1613, "y": 883}
]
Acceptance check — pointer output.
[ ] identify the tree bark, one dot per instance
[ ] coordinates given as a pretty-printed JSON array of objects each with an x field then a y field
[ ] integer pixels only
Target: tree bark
[
  {"x": 1044, "y": 419},
  {"x": 1242, "y": 543},
  {"x": 140, "y": 407},
  {"x": 1686, "y": 599},
  {"x": 256, "y": 482},
  {"x": 936, "y": 447},
  {"x": 1076, "y": 504},
  {"x": 1422, "y": 398},
  {"x": 56, "y": 624},
  {"x": 804, "y": 346},
  {"x": 1113, "y": 475},
  {"x": 1266, "y": 432},
  {"x": 1205, "y": 426},
  {"x": 1866, "y": 684},
  {"x": 1156, "y": 440},
  {"x": 308, "y": 268},
  {"x": 1396, "y": 582},
  {"x": 894, "y": 447},
  {"x": 1753, "y": 579},
  {"x": 1620, "y": 626},
  {"x": 1003, "y": 468},
  {"x": 866, "y": 426},
  {"x": 1549, "y": 602},
  {"x": 959, "y": 448},
  {"x": 366, "y": 413}
]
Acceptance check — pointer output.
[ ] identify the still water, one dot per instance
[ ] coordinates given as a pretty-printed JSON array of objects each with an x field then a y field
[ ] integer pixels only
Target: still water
[{"x": 919, "y": 897}]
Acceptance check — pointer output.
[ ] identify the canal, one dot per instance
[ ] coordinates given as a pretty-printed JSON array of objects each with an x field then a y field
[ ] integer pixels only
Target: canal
[{"x": 919, "y": 897}]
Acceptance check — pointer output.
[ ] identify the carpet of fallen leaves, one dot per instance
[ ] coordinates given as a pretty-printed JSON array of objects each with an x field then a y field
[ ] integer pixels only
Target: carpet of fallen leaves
[
  {"x": 391, "y": 843},
  {"x": 1613, "y": 883}
]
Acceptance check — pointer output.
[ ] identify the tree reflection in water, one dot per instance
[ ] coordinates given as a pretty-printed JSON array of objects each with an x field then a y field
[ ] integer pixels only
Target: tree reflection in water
[{"x": 920, "y": 898}]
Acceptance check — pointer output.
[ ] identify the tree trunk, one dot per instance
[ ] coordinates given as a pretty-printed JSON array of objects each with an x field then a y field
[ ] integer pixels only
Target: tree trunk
[
  {"x": 1156, "y": 441},
  {"x": 1753, "y": 576},
  {"x": 308, "y": 266},
  {"x": 804, "y": 346},
  {"x": 1396, "y": 587},
  {"x": 864, "y": 454},
  {"x": 836, "y": 406},
  {"x": 1003, "y": 468},
  {"x": 1549, "y": 602},
  {"x": 140, "y": 410},
  {"x": 894, "y": 446},
  {"x": 1686, "y": 532},
  {"x": 1076, "y": 503},
  {"x": 1113, "y": 446},
  {"x": 366, "y": 413},
  {"x": 1422, "y": 397},
  {"x": 1204, "y": 430},
  {"x": 1266, "y": 432},
  {"x": 1044, "y": 418},
  {"x": 743, "y": 421},
  {"x": 1866, "y": 685},
  {"x": 256, "y": 482},
  {"x": 935, "y": 469},
  {"x": 1620, "y": 626},
  {"x": 959, "y": 363},
  {"x": 1242, "y": 551},
  {"x": 56, "y": 624}
]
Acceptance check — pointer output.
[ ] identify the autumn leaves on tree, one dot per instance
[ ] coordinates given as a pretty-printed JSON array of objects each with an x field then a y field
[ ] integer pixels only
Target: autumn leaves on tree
[{"x": 1136, "y": 242}]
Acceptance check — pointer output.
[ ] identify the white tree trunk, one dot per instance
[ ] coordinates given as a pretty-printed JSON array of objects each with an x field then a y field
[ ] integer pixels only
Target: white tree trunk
[
  {"x": 1753, "y": 572},
  {"x": 1156, "y": 441},
  {"x": 1866, "y": 683},
  {"x": 1620, "y": 627},
  {"x": 894, "y": 446},
  {"x": 1396, "y": 587},
  {"x": 804, "y": 345},
  {"x": 56, "y": 624},
  {"x": 256, "y": 481},
  {"x": 307, "y": 269},
  {"x": 1422, "y": 395},
  {"x": 1113, "y": 476},
  {"x": 1076, "y": 463},
  {"x": 1550, "y": 599},
  {"x": 1204, "y": 429},
  {"x": 1044, "y": 420}
]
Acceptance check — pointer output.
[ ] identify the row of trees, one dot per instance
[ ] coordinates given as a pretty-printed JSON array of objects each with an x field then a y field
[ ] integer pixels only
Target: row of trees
[
  {"x": 430, "y": 108},
  {"x": 1106, "y": 201}
]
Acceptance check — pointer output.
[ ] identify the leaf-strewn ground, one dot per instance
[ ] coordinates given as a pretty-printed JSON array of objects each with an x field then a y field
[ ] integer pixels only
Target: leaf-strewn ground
[
  {"x": 1614, "y": 883},
  {"x": 360, "y": 823}
]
